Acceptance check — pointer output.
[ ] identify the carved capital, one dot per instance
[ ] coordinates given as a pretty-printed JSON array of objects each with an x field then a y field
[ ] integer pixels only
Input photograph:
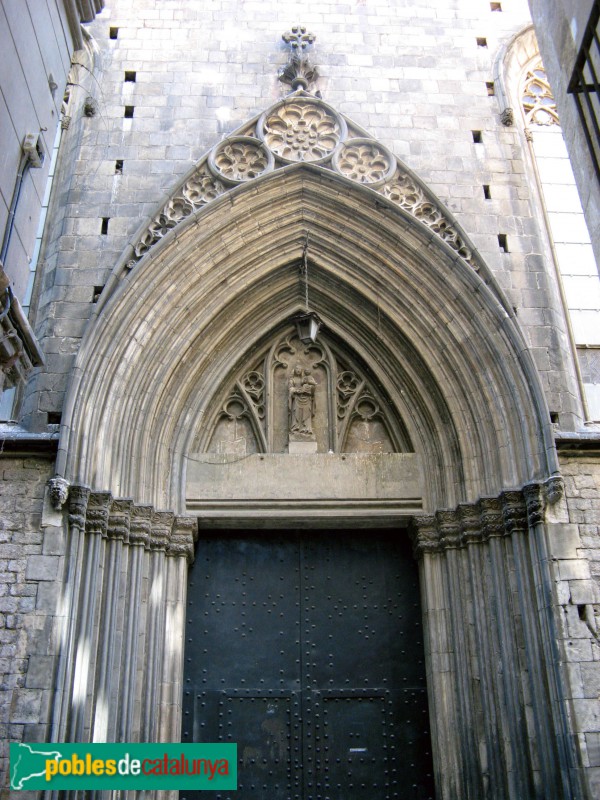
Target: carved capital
[
  {"x": 514, "y": 511},
  {"x": 140, "y": 525},
  {"x": 78, "y": 500},
  {"x": 471, "y": 523},
  {"x": 119, "y": 519},
  {"x": 535, "y": 502},
  {"x": 160, "y": 531},
  {"x": 425, "y": 536},
  {"x": 492, "y": 521},
  {"x": 59, "y": 492},
  {"x": 449, "y": 527},
  {"x": 183, "y": 537},
  {"x": 96, "y": 521}
]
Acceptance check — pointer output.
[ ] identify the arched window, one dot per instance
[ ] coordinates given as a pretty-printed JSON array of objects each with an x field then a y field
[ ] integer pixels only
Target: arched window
[{"x": 569, "y": 236}]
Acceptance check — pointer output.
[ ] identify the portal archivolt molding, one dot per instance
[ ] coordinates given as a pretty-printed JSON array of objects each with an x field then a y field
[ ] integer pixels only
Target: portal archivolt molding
[{"x": 436, "y": 335}]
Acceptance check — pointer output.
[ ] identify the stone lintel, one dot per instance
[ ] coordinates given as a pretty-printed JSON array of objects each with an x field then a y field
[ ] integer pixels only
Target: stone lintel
[{"x": 322, "y": 488}]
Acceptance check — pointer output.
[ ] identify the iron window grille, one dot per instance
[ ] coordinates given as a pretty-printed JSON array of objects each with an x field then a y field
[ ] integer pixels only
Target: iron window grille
[{"x": 585, "y": 85}]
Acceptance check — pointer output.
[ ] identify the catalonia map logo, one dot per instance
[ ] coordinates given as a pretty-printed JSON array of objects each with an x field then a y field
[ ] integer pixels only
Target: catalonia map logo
[{"x": 122, "y": 766}]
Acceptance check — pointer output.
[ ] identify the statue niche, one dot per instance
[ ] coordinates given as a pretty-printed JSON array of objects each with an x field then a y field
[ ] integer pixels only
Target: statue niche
[{"x": 302, "y": 399}]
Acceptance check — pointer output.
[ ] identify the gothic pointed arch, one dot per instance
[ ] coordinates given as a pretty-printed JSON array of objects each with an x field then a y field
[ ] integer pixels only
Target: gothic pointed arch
[
  {"x": 428, "y": 320},
  {"x": 191, "y": 358}
]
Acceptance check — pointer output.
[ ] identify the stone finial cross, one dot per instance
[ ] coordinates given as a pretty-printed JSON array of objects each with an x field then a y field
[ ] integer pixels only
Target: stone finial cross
[
  {"x": 298, "y": 38},
  {"x": 298, "y": 72}
]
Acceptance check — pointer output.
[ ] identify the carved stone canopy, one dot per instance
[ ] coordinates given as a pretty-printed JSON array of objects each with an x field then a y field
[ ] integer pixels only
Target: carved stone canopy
[
  {"x": 303, "y": 393},
  {"x": 300, "y": 129}
]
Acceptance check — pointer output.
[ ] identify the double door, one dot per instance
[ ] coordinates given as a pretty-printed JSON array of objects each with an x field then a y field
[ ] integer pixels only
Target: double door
[{"x": 306, "y": 650}]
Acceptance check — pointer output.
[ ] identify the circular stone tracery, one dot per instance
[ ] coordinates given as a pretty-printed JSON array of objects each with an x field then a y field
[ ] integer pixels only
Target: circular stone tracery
[
  {"x": 303, "y": 129},
  {"x": 364, "y": 161},
  {"x": 240, "y": 159}
]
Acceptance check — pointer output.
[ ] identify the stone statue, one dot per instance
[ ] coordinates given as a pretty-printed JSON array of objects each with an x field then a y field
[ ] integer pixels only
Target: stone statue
[{"x": 301, "y": 401}]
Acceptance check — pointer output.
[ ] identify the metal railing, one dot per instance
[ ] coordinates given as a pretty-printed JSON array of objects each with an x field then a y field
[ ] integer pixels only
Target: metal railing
[{"x": 585, "y": 85}]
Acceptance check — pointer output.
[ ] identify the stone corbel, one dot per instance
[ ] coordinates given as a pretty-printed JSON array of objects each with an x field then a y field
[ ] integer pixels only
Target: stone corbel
[{"x": 59, "y": 492}]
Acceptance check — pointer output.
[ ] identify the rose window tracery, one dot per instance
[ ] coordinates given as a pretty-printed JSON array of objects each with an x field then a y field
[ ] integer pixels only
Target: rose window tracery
[
  {"x": 304, "y": 131},
  {"x": 240, "y": 159},
  {"x": 364, "y": 161}
]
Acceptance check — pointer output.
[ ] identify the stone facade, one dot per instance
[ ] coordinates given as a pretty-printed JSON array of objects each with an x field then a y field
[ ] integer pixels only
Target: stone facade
[
  {"x": 33, "y": 90},
  {"x": 573, "y": 548},
  {"x": 212, "y": 184},
  {"x": 30, "y": 555},
  {"x": 562, "y": 28}
]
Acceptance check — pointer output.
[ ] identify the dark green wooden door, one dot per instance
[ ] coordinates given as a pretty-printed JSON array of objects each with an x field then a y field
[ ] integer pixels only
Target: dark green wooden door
[{"x": 306, "y": 649}]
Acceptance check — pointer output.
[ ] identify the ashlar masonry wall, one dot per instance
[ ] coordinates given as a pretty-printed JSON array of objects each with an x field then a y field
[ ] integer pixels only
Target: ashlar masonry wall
[
  {"x": 419, "y": 76},
  {"x": 574, "y": 548},
  {"x": 30, "y": 565}
]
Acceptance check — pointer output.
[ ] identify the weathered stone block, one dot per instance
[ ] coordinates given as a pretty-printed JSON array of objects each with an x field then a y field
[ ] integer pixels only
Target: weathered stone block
[
  {"x": 584, "y": 592},
  {"x": 592, "y": 741},
  {"x": 573, "y": 569},
  {"x": 40, "y": 672},
  {"x": 26, "y": 706},
  {"x": 587, "y": 715},
  {"x": 563, "y": 540},
  {"x": 53, "y": 541},
  {"x": 42, "y": 568}
]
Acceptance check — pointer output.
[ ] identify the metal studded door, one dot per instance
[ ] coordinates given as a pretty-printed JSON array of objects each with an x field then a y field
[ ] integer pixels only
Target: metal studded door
[{"x": 306, "y": 649}]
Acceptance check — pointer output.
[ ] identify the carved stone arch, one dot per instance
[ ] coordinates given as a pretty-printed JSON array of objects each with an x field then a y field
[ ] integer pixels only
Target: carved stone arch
[
  {"x": 518, "y": 65},
  {"x": 509, "y": 63},
  {"x": 174, "y": 335},
  {"x": 444, "y": 342}
]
